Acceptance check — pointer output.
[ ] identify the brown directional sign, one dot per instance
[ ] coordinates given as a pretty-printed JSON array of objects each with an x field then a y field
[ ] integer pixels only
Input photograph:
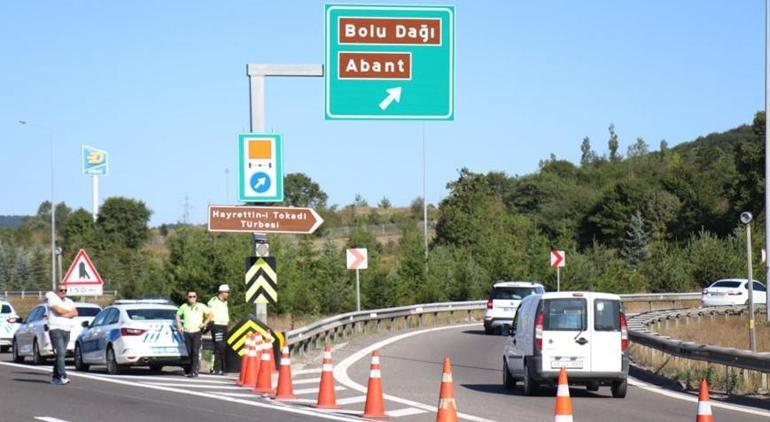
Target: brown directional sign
[{"x": 248, "y": 219}]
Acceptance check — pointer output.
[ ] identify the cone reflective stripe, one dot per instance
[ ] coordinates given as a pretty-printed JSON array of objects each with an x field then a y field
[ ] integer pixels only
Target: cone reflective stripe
[
  {"x": 563, "y": 410},
  {"x": 447, "y": 406},
  {"x": 285, "y": 387},
  {"x": 326, "y": 396},
  {"x": 265, "y": 377},
  {"x": 375, "y": 405},
  {"x": 245, "y": 360},
  {"x": 704, "y": 404}
]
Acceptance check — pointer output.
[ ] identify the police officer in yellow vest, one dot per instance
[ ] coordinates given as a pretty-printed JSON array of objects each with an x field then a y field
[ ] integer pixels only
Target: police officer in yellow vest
[
  {"x": 221, "y": 317},
  {"x": 191, "y": 318}
]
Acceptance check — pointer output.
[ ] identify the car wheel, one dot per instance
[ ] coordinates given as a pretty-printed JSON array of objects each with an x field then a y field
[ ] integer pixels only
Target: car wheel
[
  {"x": 488, "y": 330},
  {"x": 112, "y": 365},
  {"x": 530, "y": 387},
  {"x": 36, "y": 358},
  {"x": 156, "y": 368},
  {"x": 592, "y": 387},
  {"x": 16, "y": 356},
  {"x": 619, "y": 389},
  {"x": 508, "y": 381},
  {"x": 79, "y": 365}
]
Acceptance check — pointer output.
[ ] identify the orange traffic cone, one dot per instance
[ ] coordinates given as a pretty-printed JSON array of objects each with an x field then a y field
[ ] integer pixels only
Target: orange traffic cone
[
  {"x": 265, "y": 377},
  {"x": 326, "y": 396},
  {"x": 253, "y": 370},
  {"x": 273, "y": 366},
  {"x": 245, "y": 361},
  {"x": 375, "y": 405},
  {"x": 563, "y": 410},
  {"x": 285, "y": 388},
  {"x": 704, "y": 405},
  {"x": 447, "y": 406}
]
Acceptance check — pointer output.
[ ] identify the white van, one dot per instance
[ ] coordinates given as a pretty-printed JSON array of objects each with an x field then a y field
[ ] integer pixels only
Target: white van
[{"x": 584, "y": 332}]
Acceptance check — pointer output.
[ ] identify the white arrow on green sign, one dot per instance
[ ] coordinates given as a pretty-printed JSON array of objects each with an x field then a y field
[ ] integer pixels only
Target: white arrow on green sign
[{"x": 389, "y": 62}]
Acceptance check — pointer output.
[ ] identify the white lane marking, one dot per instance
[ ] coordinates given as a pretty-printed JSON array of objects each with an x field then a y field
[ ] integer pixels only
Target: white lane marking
[
  {"x": 280, "y": 408},
  {"x": 307, "y": 381},
  {"x": 351, "y": 400},
  {"x": 49, "y": 419},
  {"x": 341, "y": 370},
  {"x": 407, "y": 411},
  {"x": 140, "y": 378},
  {"x": 191, "y": 385},
  {"x": 685, "y": 397},
  {"x": 306, "y": 371},
  {"x": 226, "y": 377},
  {"x": 244, "y": 395},
  {"x": 302, "y": 391}
]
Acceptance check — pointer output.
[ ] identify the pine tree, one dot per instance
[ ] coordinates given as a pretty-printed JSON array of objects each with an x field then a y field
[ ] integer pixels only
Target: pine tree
[
  {"x": 613, "y": 144},
  {"x": 587, "y": 156},
  {"x": 636, "y": 245}
]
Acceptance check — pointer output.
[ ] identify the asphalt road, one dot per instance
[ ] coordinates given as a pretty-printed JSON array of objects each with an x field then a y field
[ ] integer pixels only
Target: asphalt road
[
  {"x": 411, "y": 369},
  {"x": 26, "y": 394}
]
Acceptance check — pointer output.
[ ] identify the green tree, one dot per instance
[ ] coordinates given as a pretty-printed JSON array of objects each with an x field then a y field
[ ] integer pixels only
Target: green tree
[
  {"x": 613, "y": 144},
  {"x": 384, "y": 203},
  {"x": 301, "y": 191},
  {"x": 636, "y": 243},
  {"x": 124, "y": 221},
  {"x": 587, "y": 155}
]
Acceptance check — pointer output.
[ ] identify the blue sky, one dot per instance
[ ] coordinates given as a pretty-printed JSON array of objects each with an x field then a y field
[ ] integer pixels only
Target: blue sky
[{"x": 162, "y": 87}]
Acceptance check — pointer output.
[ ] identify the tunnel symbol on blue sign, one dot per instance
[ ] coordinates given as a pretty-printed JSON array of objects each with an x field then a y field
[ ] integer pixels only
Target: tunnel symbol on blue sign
[{"x": 260, "y": 182}]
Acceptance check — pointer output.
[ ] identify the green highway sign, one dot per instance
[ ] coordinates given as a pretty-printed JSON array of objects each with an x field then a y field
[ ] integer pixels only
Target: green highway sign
[{"x": 389, "y": 62}]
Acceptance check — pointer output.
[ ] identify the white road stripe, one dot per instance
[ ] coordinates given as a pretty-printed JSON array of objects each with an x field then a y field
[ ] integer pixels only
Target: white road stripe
[
  {"x": 307, "y": 381},
  {"x": 171, "y": 378},
  {"x": 49, "y": 419},
  {"x": 341, "y": 370},
  {"x": 306, "y": 371},
  {"x": 302, "y": 391},
  {"x": 244, "y": 395},
  {"x": 407, "y": 411},
  {"x": 191, "y": 385},
  {"x": 351, "y": 400},
  {"x": 253, "y": 403}
]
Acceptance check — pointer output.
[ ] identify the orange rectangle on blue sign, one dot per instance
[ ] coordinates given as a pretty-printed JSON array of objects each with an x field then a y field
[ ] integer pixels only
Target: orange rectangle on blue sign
[{"x": 260, "y": 150}]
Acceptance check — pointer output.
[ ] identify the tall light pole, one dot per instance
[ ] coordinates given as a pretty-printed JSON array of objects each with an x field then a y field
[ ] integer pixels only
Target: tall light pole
[
  {"x": 767, "y": 148},
  {"x": 746, "y": 218},
  {"x": 53, "y": 205}
]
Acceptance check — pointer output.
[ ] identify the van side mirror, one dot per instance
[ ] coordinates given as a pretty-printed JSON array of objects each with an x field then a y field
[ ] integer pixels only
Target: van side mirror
[{"x": 85, "y": 324}]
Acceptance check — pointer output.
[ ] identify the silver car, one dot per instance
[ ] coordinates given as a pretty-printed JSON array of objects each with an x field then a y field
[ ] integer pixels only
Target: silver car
[{"x": 32, "y": 339}]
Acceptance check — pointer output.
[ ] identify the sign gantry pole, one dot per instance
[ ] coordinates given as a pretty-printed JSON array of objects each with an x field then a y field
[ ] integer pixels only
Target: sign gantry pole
[{"x": 257, "y": 74}]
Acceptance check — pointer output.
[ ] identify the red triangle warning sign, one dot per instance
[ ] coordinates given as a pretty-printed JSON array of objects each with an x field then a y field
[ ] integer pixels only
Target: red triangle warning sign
[{"x": 82, "y": 271}]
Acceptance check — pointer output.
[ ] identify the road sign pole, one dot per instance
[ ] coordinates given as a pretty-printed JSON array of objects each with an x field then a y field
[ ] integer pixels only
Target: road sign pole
[
  {"x": 752, "y": 330},
  {"x": 257, "y": 74},
  {"x": 558, "y": 279},
  {"x": 95, "y": 195},
  {"x": 358, "y": 290}
]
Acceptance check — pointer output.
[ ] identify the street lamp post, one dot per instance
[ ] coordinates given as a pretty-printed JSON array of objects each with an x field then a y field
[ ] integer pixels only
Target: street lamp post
[
  {"x": 53, "y": 207},
  {"x": 746, "y": 218}
]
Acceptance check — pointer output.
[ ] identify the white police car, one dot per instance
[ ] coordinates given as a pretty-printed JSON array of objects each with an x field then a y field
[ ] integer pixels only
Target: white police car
[
  {"x": 31, "y": 338},
  {"x": 9, "y": 323},
  {"x": 132, "y": 333}
]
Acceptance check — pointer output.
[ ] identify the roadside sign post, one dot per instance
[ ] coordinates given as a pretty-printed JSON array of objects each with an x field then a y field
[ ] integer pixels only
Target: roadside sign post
[
  {"x": 95, "y": 165},
  {"x": 82, "y": 279},
  {"x": 358, "y": 259},
  {"x": 557, "y": 261},
  {"x": 257, "y": 74},
  {"x": 389, "y": 62}
]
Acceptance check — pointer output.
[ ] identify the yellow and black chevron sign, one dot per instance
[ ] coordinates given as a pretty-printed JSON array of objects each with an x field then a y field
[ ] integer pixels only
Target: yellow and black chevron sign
[
  {"x": 261, "y": 280},
  {"x": 242, "y": 331}
]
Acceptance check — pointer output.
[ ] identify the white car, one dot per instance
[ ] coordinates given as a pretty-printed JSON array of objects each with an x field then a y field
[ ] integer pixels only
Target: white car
[
  {"x": 584, "y": 332},
  {"x": 9, "y": 323},
  {"x": 32, "y": 339},
  {"x": 132, "y": 333},
  {"x": 734, "y": 291},
  {"x": 504, "y": 299}
]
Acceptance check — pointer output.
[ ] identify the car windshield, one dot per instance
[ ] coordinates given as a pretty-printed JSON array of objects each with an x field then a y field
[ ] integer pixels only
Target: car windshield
[
  {"x": 145, "y": 314},
  {"x": 731, "y": 284},
  {"x": 87, "y": 311},
  {"x": 564, "y": 315},
  {"x": 512, "y": 293},
  {"x": 5, "y": 310}
]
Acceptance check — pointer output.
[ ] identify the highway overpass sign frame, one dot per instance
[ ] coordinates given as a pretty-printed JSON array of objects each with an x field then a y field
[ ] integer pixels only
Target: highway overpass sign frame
[{"x": 389, "y": 62}]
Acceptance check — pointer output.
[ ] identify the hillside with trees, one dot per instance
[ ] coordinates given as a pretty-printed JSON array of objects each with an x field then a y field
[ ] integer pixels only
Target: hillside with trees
[{"x": 632, "y": 221}]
